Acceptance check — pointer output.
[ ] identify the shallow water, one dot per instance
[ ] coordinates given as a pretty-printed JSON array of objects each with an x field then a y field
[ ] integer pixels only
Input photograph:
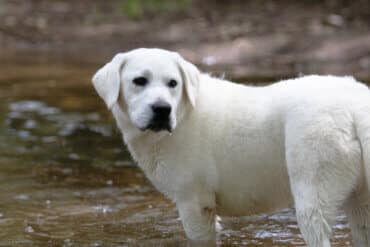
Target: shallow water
[{"x": 66, "y": 178}]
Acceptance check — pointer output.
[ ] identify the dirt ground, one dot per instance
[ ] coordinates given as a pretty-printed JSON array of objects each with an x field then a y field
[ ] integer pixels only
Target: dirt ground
[{"x": 239, "y": 38}]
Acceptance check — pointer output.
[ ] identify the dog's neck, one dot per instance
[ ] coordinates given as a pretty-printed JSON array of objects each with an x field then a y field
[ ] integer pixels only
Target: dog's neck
[
  {"x": 134, "y": 138},
  {"x": 141, "y": 143}
]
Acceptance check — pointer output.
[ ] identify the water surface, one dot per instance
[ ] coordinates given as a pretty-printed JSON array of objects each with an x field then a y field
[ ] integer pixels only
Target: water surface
[{"x": 66, "y": 178}]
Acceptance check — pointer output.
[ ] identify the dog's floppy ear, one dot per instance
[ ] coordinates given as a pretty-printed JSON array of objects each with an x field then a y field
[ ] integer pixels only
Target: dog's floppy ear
[
  {"x": 191, "y": 77},
  {"x": 107, "y": 80}
]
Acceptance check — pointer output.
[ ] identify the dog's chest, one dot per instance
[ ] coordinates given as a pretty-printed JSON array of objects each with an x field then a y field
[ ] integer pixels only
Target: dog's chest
[
  {"x": 158, "y": 172},
  {"x": 162, "y": 179}
]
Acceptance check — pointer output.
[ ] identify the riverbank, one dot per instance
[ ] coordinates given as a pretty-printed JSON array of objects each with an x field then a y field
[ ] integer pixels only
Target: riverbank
[{"x": 243, "y": 39}]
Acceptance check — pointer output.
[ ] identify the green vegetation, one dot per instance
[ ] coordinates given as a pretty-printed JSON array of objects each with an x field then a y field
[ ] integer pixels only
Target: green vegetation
[{"x": 135, "y": 9}]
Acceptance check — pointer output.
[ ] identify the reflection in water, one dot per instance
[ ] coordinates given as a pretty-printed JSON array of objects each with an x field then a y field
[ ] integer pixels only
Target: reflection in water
[{"x": 67, "y": 180}]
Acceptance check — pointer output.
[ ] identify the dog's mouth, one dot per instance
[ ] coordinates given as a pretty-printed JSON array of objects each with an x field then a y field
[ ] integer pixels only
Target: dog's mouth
[{"x": 159, "y": 125}]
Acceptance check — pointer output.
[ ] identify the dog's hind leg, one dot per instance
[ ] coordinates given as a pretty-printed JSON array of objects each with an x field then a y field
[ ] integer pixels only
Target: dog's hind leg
[
  {"x": 314, "y": 218},
  {"x": 358, "y": 211},
  {"x": 359, "y": 221},
  {"x": 322, "y": 172}
]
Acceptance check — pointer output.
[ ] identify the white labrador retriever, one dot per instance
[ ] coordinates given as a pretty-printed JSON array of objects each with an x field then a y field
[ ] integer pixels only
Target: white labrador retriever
[{"x": 215, "y": 147}]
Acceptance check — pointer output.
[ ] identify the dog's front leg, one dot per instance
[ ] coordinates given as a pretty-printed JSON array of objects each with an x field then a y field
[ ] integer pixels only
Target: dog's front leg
[{"x": 198, "y": 219}]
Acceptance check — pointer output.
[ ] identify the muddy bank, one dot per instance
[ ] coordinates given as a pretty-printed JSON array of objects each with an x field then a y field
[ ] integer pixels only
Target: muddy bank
[{"x": 242, "y": 39}]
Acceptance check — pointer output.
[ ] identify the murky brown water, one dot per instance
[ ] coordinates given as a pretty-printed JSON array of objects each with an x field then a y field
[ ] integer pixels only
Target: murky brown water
[{"x": 66, "y": 178}]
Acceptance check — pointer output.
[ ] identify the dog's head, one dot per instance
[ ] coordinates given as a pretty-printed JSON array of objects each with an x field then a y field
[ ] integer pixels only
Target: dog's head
[{"x": 153, "y": 85}]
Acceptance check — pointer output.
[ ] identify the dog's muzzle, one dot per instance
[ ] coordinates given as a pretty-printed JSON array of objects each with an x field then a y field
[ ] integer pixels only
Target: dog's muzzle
[{"x": 161, "y": 117}]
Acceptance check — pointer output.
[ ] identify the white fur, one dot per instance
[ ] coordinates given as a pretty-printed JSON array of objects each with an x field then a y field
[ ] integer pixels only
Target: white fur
[{"x": 239, "y": 150}]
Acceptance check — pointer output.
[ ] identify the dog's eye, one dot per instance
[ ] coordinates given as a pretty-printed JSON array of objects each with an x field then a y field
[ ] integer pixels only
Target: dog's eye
[
  {"x": 140, "y": 81},
  {"x": 172, "y": 83}
]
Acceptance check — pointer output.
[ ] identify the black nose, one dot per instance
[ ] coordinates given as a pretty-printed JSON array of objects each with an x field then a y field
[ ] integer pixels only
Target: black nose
[{"x": 161, "y": 110}]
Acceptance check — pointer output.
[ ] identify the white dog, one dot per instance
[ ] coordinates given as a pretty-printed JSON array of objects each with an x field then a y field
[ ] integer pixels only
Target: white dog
[{"x": 219, "y": 148}]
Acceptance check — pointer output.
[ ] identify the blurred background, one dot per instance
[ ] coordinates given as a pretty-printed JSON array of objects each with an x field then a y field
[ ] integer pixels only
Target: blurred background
[{"x": 66, "y": 178}]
